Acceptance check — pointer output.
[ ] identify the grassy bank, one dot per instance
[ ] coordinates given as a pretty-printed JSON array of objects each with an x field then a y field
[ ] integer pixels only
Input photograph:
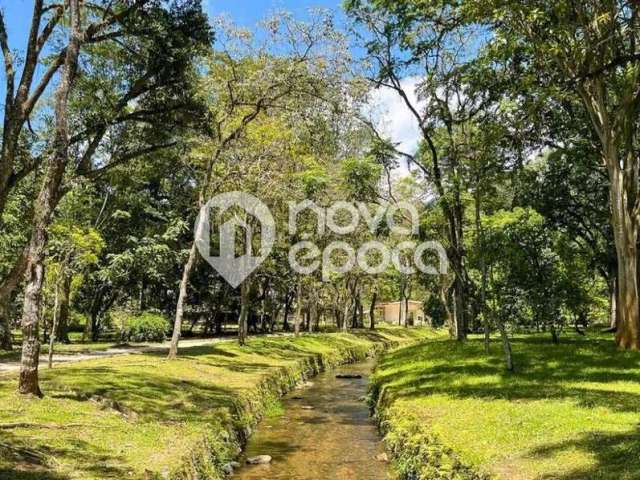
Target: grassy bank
[
  {"x": 571, "y": 411},
  {"x": 142, "y": 417}
]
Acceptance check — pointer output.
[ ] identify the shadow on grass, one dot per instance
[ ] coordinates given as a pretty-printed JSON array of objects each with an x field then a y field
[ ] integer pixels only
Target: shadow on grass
[
  {"x": 12, "y": 474},
  {"x": 543, "y": 371},
  {"x": 203, "y": 388},
  {"x": 29, "y": 459},
  {"x": 616, "y": 455},
  {"x": 154, "y": 397},
  {"x": 579, "y": 370}
]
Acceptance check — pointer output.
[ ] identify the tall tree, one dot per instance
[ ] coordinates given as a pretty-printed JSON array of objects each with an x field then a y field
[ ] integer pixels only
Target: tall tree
[
  {"x": 248, "y": 77},
  {"x": 591, "y": 48},
  {"x": 158, "y": 78},
  {"x": 44, "y": 208},
  {"x": 420, "y": 50}
]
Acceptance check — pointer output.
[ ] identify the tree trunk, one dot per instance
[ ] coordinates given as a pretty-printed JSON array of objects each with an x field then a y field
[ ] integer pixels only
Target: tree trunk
[
  {"x": 483, "y": 269},
  {"x": 625, "y": 236},
  {"x": 5, "y": 323},
  {"x": 298, "y": 319},
  {"x": 406, "y": 312},
  {"x": 613, "y": 303},
  {"x": 44, "y": 207},
  {"x": 458, "y": 309},
  {"x": 243, "y": 321},
  {"x": 7, "y": 290},
  {"x": 287, "y": 305},
  {"x": 54, "y": 324},
  {"x": 506, "y": 345},
  {"x": 184, "y": 282},
  {"x": 400, "y": 303},
  {"x": 313, "y": 312},
  {"x": 444, "y": 299},
  {"x": 62, "y": 311},
  {"x": 345, "y": 317},
  {"x": 372, "y": 311}
]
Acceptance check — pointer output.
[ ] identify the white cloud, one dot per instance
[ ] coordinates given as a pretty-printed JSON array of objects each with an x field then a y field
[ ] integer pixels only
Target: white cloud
[{"x": 393, "y": 118}]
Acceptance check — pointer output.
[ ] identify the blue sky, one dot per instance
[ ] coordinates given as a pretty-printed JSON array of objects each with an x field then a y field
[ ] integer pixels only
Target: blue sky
[
  {"x": 399, "y": 124},
  {"x": 243, "y": 12}
]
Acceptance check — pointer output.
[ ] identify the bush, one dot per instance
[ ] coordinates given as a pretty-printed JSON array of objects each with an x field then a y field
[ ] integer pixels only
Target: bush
[
  {"x": 146, "y": 327},
  {"x": 77, "y": 322},
  {"x": 435, "y": 310}
]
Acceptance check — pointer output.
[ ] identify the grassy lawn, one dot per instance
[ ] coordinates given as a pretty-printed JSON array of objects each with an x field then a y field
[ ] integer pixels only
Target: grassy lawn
[
  {"x": 571, "y": 411},
  {"x": 140, "y": 416}
]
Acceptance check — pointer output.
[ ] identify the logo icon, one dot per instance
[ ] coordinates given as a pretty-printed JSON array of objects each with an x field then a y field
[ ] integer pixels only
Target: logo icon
[{"x": 246, "y": 215}]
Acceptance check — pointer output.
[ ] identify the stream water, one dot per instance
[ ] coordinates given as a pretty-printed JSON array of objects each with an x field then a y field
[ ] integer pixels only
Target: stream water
[{"x": 325, "y": 433}]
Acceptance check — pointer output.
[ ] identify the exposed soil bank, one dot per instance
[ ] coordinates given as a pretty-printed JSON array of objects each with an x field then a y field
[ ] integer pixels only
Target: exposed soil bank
[{"x": 324, "y": 431}]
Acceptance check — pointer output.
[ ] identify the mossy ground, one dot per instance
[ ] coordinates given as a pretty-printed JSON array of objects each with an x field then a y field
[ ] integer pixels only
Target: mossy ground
[
  {"x": 570, "y": 411},
  {"x": 142, "y": 416}
]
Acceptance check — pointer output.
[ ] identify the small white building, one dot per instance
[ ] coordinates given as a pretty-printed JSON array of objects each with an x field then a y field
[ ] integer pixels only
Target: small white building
[{"x": 390, "y": 312}]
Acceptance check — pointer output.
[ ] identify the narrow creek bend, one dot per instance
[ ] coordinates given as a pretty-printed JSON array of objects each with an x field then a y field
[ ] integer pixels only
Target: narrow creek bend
[{"x": 324, "y": 433}]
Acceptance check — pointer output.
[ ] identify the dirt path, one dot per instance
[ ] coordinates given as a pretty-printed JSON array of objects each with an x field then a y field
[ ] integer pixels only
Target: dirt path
[{"x": 14, "y": 366}]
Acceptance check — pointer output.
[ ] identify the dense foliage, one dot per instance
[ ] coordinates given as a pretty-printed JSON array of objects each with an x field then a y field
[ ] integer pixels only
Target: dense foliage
[{"x": 525, "y": 171}]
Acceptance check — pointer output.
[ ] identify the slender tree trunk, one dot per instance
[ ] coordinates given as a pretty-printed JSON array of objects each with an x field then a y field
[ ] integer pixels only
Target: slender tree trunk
[
  {"x": 372, "y": 310},
  {"x": 313, "y": 312},
  {"x": 243, "y": 321},
  {"x": 483, "y": 269},
  {"x": 347, "y": 309},
  {"x": 506, "y": 345},
  {"x": 554, "y": 335},
  {"x": 7, "y": 290},
  {"x": 401, "y": 302},
  {"x": 45, "y": 205},
  {"x": 298, "y": 317},
  {"x": 444, "y": 299},
  {"x": 184, "y": 282},
  {"x": 613, "y": 302},
  {"x": 406, "y": 312},
  {"x": 62, "y": 311},
  {"x": 54, "y": 324},
  {"x": 287, "y": 306},
  {"x": 5, "y": 323},
  {"x": 458, "y": 309}
]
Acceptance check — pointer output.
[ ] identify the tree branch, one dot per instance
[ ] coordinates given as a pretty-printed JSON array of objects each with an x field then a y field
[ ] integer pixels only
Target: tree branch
[{"x": 93, "y": 174}]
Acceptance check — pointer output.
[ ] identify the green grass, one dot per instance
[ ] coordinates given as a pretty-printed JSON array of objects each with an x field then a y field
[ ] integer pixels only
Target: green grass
[
  {"x": 123, "y": 416},
  {"x": 571, "y": 411}
]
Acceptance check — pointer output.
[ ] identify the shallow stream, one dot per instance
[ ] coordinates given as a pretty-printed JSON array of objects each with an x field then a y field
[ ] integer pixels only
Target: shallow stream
[{"x": 324, "y": 433}]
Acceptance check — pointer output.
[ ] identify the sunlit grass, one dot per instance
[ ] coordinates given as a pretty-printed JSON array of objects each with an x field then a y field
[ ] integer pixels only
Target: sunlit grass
[
  {"x": 117, "y": 417},
  {"x": 569, "y": 411}
]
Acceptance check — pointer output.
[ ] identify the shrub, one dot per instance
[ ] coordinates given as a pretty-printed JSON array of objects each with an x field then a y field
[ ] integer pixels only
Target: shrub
[
  {"x": 146, "y": 327},
  {"x": 77, "y": 322}
]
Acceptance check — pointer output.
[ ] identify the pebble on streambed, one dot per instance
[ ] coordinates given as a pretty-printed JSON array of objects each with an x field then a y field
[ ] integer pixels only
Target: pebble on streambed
[
  {"x": 259, "y": 460},
  {"x": 230, "y": 467}
]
